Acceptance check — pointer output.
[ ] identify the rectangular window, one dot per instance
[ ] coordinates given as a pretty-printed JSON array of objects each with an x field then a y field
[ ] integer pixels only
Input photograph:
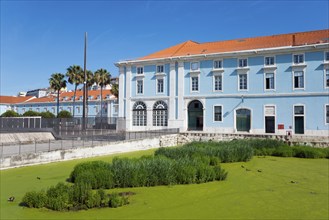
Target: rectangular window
[
  {"x": 243, "y": 81},
  {"x": 327, "y": 78},
  {"x": 298, "y": 79},
  {"x": 195, "y": 83},
  {"x": 298, "y": 58},
  {"x": 195, "y": 66},
  {"x": 326, "y": 56},
  {"x": 160, "y": 69},
  {"x": 269, "y": 80},
  {"x": 269, "y": 61},
  {"x": 327, "y": 114},
  {"x": 299, "y": 110},
  {"x": 78, "y": 110},
  {"x": 217, "y": 113},
  {"x": 45, "y": 109},
  {"x": 218, "y": 64},
  {"x": 140, "y": 70},
  {"x": 218, "y": 83},
  {"x": 160, "y": 86},
  {"x": 139, "y": 86},
  {"x": 243, "y": 62}
]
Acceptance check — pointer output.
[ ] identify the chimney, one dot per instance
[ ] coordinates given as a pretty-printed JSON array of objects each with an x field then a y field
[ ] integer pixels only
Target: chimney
[{"x": 293, "y": 40}]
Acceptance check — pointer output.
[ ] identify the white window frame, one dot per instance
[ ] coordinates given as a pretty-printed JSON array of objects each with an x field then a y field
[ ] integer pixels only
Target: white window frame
[
  {"x": 163, "y": 68},
  {"x": 325, "y": 77},
  {"x": 293, "y": 79},
  {"x": 139, "y": 67},
  {"x": 298, "y": 54},
  {"x": 325, "y": 114},
  {"x": 243, "y": 66},
  {"x": 137, "y": 93},
  {"x": 269, "y": 64},
  {"x": 213, "y": 119},
  {"x": 195, "y": 69},
  {"x": 214, "y": 82},
  {"x": 243, "y": 73},
  {"x": 218, "y": 60},
  {"x": 274, "y": 76},
  {"x": 191, "y": 79},
  {"x": 163, "y": 85}
]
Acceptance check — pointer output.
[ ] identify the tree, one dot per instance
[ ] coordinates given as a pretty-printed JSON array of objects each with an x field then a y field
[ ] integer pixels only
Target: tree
[
  {"x": 10, "y": 113},
  {"x": 57, "y": 82},
  {"x": 64, "y": 114},
  {"x": 102, "y": 78},
  {"x": 31, "y": 113},
  {"x": 115, "y": 90},
  {"x": 75, "y": 76}
]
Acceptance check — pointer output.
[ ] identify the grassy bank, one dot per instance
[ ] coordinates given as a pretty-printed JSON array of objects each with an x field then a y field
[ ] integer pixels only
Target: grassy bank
[{"x": 286, "y": 188}]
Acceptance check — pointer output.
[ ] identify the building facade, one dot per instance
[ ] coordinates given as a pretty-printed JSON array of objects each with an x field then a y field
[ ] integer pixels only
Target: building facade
[
  {"x": 274, "y": 84},
  {"x": 108, "y": 109}
]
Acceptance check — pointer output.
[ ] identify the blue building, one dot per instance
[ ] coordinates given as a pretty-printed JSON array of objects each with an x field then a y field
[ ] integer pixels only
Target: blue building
[
  {"x": 273, "y": 84},
  {"x": 108, "y": 109}
]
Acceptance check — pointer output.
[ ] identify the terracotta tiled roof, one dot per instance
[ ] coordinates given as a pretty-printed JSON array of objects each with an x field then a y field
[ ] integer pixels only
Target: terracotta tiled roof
[
  {"x": 193, "y": 48},
  {"x": 93, "y": 93},
  {"x": 14, "y": 99},
  {"x": 42, "y": 99}
]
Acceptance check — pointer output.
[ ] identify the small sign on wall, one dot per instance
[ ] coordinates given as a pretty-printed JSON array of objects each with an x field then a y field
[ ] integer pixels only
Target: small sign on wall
[{"x": 280, "y": 126}]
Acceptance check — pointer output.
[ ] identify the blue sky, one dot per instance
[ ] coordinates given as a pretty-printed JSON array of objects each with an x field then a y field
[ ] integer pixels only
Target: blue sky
[{"x": 39, "y": 38}]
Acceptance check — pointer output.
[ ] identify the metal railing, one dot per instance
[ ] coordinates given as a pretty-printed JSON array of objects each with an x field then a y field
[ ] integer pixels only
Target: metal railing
[{"x": 90, "y": 140}]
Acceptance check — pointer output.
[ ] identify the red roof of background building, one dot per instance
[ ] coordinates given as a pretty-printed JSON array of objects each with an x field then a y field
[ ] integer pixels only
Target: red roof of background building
[
  {"x": 14, "y": 99},
  {"x": 194, "y": 48}
]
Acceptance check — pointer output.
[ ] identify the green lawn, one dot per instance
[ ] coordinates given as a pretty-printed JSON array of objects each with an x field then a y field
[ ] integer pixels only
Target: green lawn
[{"x": 244, "y": 195}]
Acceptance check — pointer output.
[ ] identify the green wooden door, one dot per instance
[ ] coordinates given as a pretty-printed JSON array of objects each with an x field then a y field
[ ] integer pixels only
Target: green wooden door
[
  {"x": 243, "y": 120},
  {"x": 299, "y": 124},
  {"x": 195, "y": 115}
]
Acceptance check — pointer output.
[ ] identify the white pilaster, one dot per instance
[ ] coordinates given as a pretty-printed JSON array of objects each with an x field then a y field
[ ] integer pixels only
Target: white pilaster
[
  {"x": 172, "y": 96},
  {"x": 128, "y": 98},
  {"x": 180, "y": 95},
  {"x": 121, "y": 91}
]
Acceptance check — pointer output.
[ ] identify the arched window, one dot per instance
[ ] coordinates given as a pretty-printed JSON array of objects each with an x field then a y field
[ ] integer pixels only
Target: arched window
[
  {"x": 139, "y": 114},
  {"x": 160, "y": 114}
]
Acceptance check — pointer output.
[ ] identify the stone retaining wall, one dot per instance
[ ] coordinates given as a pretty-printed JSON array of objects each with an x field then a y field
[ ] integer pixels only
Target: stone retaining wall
[
  {"x": 27, "y": 137},
  {"x": 112, "y": 148}
]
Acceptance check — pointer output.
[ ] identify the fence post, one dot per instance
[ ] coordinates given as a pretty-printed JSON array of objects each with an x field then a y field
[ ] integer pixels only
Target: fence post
[
  {"x": 61, "y": 144},
  {"x": 72, "y": 142},
  {"x": 49, "y": 146}
]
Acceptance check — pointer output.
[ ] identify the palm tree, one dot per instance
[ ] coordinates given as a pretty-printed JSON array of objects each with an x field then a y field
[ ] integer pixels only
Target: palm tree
[
  {"x": 57, "y": 82},
  {"x": 102, "y": 78},
  {"x": 115, "y": 90},
  {"x": 75, "y": 76}
]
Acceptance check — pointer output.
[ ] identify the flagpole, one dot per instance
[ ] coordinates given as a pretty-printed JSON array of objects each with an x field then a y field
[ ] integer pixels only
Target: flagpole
[{"x": 84, "y": 85}]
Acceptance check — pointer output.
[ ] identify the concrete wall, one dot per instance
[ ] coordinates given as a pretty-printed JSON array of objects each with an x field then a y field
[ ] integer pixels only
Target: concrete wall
[
  {"x": 25, "y": 137},
  {"x": 63, "y": 155}
]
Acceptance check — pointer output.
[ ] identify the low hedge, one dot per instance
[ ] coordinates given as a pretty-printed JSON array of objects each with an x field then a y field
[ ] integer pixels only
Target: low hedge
[
  {"x": 148, "y": 171},
  {"x": 63, "y": 197}
]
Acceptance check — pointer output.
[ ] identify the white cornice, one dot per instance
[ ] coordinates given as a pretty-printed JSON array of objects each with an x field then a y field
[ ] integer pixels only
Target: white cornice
[
  {"x": 246, "y": 95},
  {"x": 253, "y": 52}
]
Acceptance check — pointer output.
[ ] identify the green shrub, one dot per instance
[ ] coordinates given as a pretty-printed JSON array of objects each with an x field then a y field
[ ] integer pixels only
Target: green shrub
[
  {"x": 35, "y": 199},
  {"x": 116, "y": 201},
  {"x": 31, "y": 113},
  {"x": 309, "y": 152},
  {"x": 64, "y": 114},
  {"x": 10, "y": 113},
  {"x": 283, "y": 151},
  {"x": 59, "y": 197},
  {"x": 47, "y": 114}
]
